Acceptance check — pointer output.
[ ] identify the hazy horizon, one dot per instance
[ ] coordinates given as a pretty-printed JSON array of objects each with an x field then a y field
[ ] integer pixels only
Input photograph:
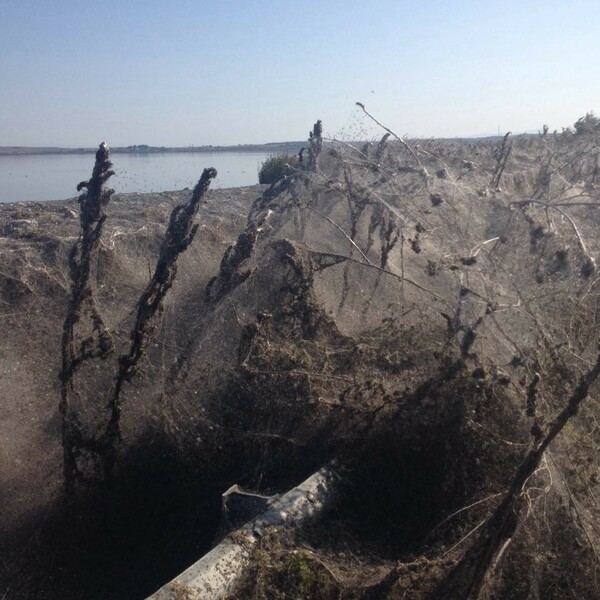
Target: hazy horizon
[
  {"x": 232, "y": 72},
  {"x": 234, "y": 145}
]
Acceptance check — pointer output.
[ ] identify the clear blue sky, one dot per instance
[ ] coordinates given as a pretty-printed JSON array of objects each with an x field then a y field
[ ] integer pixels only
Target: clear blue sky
[{"x": 76, "y": 72}]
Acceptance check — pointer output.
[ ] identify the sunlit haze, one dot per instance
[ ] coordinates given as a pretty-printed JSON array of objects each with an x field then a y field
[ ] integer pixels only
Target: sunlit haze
[{"x": 74, "y": 73}]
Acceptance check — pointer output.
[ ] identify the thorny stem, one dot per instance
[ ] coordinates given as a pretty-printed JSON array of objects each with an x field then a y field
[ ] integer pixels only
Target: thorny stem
[
  {"x": 179, "y": 236},
  {"x": 81, "y": 258},
  {"x": 180, "y": 233}
]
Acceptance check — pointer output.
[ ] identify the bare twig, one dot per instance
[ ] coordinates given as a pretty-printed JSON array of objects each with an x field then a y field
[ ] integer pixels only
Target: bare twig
[
  {"x": 370, "y": 265},
  {"x": 399, "y": 138},
  {"x": 329, "y": 220}
]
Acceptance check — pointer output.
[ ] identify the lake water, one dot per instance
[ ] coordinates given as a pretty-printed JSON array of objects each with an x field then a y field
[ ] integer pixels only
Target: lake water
[{"x": 55, "y": 176}]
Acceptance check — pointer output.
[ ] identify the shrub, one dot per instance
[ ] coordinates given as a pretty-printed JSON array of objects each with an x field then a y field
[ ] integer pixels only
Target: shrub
[
  {"x": 588, "y": 124},
  {"x": 276, "y": 166}
]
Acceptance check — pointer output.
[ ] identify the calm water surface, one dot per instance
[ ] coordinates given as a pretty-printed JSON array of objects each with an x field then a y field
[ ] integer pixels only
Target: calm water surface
[{"x": 55, "y": 176}]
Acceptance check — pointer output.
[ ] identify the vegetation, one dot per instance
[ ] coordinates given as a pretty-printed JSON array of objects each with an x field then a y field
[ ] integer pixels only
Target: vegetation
[
  {"x": 90, "y": 454},
  {"x": 425, "y": 314},
  {"x": 588, "y": 124},
  {"x": 501, "y": 338},
  {"x": 276, "y": 167}
]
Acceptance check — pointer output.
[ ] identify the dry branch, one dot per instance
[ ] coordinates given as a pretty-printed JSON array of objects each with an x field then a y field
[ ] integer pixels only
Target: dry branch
[
  {"x": 98, "y": 344},
  {"x": 467, "y": 580},
  {"x": 315, "y": 146},
  {"x": 501, "y": 154},
  {"x": 178, "y": 237},
  {"x": 82, "y": 305}
]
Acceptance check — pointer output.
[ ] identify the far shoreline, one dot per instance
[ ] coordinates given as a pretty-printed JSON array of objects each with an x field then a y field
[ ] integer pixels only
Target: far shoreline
[
  {"x": 270, "y": 147},
  {"x": 273, "y": 147}
]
